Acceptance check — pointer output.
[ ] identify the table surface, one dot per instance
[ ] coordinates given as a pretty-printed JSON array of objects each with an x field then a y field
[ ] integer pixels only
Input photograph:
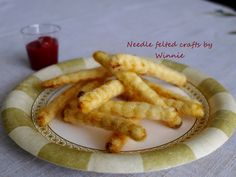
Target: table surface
[{"x": 108, "y": 25}]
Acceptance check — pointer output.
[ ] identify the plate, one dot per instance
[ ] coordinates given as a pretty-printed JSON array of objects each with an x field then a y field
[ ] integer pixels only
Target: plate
[{"x": 82, "y": 147}]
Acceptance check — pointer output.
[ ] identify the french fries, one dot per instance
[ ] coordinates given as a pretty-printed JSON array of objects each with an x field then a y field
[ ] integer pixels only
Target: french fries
[
  {"x": 95, "y": 98},
  {"x": 184, "y": 105},
  {"x": 73, "y": 104},
  {"x": 89, "y": 86},
  {"x": 103, "y": 58},
  {"x": 173, "y": 122},
  {"x": 139, "y": 65},
  {"x": 168, "y": 93},
  {"x": 116, "y": 142},
  {"x": 57, "y": 105},
  {"x": 185, "y": 108},
  {"x": 90, "y": 74},
  {"x": 137, "y": 110},
  {"x": 140, "y": 110},
  {"x": 133, "y": 82},
  {"x": 92, "y": 99},
  {"x": 106, "y": 121}
]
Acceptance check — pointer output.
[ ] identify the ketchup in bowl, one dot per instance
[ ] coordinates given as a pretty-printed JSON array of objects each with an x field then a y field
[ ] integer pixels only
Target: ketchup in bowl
[{"x": 42, "y": 52}]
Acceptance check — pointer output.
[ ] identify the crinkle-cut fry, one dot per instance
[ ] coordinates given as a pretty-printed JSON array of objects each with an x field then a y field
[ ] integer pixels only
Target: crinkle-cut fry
[
  {"x": 168, "y": 93},
  {"x": 137, "y": 110},
  {"x": 89, "y": 86},
  {"x": 57, "y": 105},
  {"x": 183, "y": 105},
  {"x": 133, "y": 82},
  {"x": 103, "y": 58},
  {"x": 85, "y": 88},
  {"x": 106, "y": 121},
  {"x": 172, "y": 121},
  {"x": 116, "y": 142},
  {"x": 139, "y": 65},
  {"x": 89, "y": 74},
  {"x": 185, "y": 108},
  {"x": 95, "y": 98},
  {"x": 189, "y": 106},
  {"x": 130, "y": 95}
]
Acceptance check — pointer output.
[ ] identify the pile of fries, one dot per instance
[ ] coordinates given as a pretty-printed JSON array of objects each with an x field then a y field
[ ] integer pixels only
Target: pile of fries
[{"x": 115, "y": 97}]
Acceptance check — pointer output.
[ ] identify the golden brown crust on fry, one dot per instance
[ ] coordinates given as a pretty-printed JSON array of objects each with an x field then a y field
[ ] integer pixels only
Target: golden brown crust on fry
[
  {"x": 106, "y": 121},
  {"x": 85, "y": 88},
  {"x": 57, "y": 105},
  {"x": 168, "y": 93},
  {"x": 103, "y": 58},
  {"x": 133, "y": 82},
  {"x": 137, "y": 110},
  {"x": 89, "y": 74},
  {"x": 41, "y": 120},
  {"x": 95, "y": 98},
  {"x": 91, "y": 85},
  {"x": 186, "y": 108},
  {"x": 139, "y": 65},
  {"x": 183, "y": 104},
  {"x": 116, "y": 142},
  {"x": 173, "y": 120}
]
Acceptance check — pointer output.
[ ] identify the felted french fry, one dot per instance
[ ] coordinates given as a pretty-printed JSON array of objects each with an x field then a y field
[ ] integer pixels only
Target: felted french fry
[
  {"x": 168, "y": 93},
  {"x": 139, "y": 65},
  {"x": 103, "y": 58},
  {"x": 116, "y": 142},
  {"x": 106, "y": 121},
  {"x": 89, "y": 74},
  {"x": 89, "y": 86},
  {"x": 137, "y": 110},
  {"x": 183, "y": 104},
  {"x": 56, "y": 106},
  {"x": 186, "y": 108},
  {"x": 170, "y": 121},
  {"x": 95, "y": 98},
  {"x": 85, "y": 88},
  {"x": 133, "y": 82}
]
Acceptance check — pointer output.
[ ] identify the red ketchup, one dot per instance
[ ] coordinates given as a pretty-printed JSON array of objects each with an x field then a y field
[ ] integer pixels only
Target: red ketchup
[{"x": 42, "y": 52}]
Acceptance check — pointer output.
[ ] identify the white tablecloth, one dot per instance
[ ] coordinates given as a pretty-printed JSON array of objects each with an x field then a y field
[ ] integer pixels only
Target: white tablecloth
[{"x": 108, "y": 25}]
